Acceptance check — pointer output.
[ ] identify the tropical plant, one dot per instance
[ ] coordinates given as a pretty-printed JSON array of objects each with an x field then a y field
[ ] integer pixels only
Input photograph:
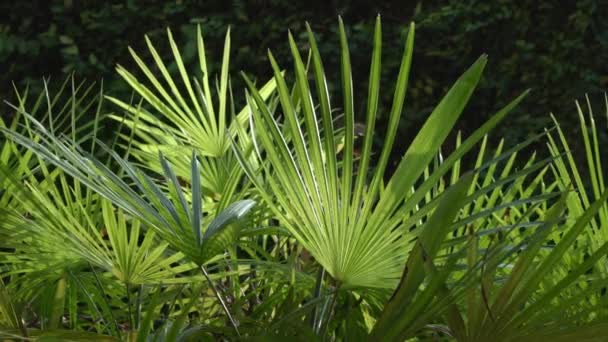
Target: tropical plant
[
  {"x": 185, "y": 113},
  {"x": 198, "y": 222},
  {"x": 357, "y": 230},
  {"x": 589, "y": 180}
]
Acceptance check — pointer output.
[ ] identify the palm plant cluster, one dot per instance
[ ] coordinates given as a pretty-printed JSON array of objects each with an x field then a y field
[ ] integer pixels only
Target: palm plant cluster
[{"x": 202, "y": 222}]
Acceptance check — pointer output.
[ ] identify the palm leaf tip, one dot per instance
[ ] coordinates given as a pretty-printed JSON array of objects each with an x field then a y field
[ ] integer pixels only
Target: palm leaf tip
[{"x": 234, "y": 213}]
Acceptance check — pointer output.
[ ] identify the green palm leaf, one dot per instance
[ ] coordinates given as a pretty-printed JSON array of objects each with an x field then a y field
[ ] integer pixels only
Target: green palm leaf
[
  {"x": 353, "y": 228},
  {"x": 180, "y": 113}
]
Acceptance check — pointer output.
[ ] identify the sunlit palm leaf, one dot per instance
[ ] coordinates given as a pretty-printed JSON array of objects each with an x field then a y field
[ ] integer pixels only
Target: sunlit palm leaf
[
  {"x": 353, "y": 228},
  {"x": 147, "y": 200},
  {"x": 181, "y": 113}
]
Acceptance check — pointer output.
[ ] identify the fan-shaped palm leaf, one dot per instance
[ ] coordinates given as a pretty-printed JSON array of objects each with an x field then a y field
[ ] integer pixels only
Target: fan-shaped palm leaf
[
  {"x": 353, "y": 228},
  {"x": 184, "y": 113}
]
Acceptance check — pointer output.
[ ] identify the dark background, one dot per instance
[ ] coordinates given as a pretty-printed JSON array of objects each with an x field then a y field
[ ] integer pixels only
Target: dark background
[{"x": 557, "y": 48}]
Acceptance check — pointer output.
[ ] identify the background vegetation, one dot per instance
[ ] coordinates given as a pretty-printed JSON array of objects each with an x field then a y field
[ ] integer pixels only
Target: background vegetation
[{"x": 556, "y": 48}]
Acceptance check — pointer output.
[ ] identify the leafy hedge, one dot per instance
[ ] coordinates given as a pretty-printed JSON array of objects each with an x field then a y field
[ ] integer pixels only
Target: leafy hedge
[{"x": 556, "y": 48}]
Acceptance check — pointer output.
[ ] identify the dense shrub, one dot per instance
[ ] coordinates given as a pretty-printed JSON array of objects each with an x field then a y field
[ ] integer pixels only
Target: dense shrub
[{"x": 557, "y": 48}]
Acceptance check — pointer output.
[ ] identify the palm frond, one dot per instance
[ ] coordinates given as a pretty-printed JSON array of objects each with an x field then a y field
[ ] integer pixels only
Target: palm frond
[{"x": 351, "y": 225}]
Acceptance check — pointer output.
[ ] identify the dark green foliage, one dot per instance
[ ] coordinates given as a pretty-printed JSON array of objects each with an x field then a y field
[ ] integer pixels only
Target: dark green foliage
[{"x": 557, "y": 48}]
